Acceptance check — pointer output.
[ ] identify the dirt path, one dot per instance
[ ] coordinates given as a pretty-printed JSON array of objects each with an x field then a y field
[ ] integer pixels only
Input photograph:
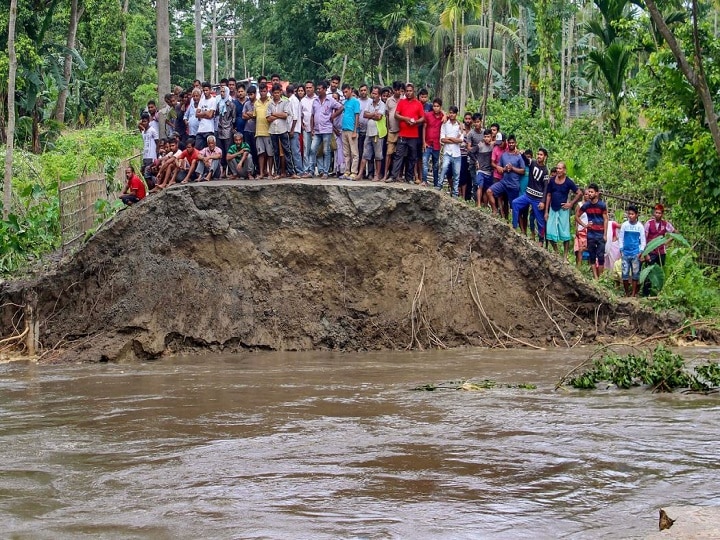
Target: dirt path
[{"x": 312, "y": 264}]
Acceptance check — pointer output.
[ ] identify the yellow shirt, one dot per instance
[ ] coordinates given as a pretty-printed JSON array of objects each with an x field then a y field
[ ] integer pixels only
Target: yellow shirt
[{"x": 262, "y": 128}]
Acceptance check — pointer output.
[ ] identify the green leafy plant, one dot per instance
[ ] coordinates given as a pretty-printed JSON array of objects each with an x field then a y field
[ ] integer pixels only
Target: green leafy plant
[{"x": 661, "y": 371}]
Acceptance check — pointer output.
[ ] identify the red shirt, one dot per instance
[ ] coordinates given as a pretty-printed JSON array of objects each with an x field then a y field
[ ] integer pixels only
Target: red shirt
[
  {"x": 496, "y": 153},
  {"x": 138, "y": 186},
  {"x": 190, "y": 157},
  {"x": 433, "y": 124},
  {"x": 411, "y": 108}
]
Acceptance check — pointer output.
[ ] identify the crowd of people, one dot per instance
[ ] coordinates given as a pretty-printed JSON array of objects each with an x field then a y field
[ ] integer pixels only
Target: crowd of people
[{"x": 272, "y": 129}]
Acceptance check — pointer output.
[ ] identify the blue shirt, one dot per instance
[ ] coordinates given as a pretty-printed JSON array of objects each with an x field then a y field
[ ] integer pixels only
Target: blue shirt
[
  {"x": 559, "y": 192},
  {"x": 352, "y": 107},
  {"x": 239, "y": 120},
  {"x": 631, "y": 239},
  {"x": 512, "y": 179}
]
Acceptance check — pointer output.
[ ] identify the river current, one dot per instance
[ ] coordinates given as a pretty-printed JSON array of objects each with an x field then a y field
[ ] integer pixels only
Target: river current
[{"x": 325, "y": 446}]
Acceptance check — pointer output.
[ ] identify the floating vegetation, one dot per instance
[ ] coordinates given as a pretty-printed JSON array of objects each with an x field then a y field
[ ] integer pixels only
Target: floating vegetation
[
  {"x": 471, "y": 385},
  {"x": 660, "y": 371}
]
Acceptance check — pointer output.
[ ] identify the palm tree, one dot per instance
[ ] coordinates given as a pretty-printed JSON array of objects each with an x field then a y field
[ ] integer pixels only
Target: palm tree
[
  {"x": 413, "y": 30},
  {"x": 610, "y": 62},
  {"x": 453, "y": 17},
  {"x": 7, "y": 184},
  {"x": 611, "y": 65}
]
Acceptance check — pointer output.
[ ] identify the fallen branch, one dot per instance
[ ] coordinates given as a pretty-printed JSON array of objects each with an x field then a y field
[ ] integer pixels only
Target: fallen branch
[
  {"x": 17, "y": 337},
  {"x": 699, "y": 324}
]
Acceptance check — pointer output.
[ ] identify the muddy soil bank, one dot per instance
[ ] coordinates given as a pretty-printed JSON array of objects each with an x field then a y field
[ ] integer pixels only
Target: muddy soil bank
[{"x": 309, "y": 265}]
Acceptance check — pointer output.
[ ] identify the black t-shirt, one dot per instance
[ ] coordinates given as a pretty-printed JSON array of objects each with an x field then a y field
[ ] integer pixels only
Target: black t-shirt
[{"x": 537, "y": 180}]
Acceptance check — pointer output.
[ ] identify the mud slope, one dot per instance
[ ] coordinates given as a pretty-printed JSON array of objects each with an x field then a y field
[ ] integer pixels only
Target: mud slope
[{"x": 310, "y": 266}]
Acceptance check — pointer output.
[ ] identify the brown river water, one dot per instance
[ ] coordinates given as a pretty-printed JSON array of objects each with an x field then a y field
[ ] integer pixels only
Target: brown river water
[{"x": 322, "y": 445}]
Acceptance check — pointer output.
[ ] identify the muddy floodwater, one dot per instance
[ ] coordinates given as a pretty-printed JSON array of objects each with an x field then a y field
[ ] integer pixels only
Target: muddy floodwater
[{"x": 321, "y": 445}]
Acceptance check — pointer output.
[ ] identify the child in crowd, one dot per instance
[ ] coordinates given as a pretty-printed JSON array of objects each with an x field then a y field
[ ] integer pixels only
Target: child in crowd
[
  {"x": 632, "y": 243},
  {"x": 580, "y": 243}
]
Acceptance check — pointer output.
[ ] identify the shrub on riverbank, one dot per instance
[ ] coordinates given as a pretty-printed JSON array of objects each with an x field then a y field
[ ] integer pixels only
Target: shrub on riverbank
[{"x": 33, "y": 226}]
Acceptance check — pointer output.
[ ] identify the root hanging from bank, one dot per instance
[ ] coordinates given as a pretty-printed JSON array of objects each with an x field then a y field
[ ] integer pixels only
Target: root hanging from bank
[
  {"x": 545, "y": 309},
  {"x": 475, "y": 294},
  {"x": 419, "y": 320}
]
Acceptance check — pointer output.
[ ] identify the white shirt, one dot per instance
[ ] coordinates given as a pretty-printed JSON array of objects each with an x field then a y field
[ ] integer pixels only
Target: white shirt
[
  {"x": 306, "y": 104},
  {"x": 207, "y": 125},
  {"x": 280, "y": 125},
  {"x": 149, "y": 147},
  {"x": 372, "y": 129},
  {"x": 295, "y": 109},
  {"x": 453, "y": 131}
]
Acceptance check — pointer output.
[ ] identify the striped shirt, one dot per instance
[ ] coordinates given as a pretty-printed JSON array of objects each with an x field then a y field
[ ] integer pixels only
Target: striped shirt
[{"x": 596, "y": 213}]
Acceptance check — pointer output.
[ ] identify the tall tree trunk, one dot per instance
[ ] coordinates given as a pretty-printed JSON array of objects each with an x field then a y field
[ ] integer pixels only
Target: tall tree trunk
[
  {"x": 577, "y": 85},
  {"x": 163, "y": 48},
  {"x": 227, "y": 58},
  {"x": 521, "y": 60},
  {"x": 381, "y": 53},
  {"x": 456, "y": 62},
  {"x": 407, "y": 63},
  {"x": 569, "y": 58},
  {"x": 463, "y": 73},
  {"x": 213, "y": 45},
  {"x": 125, "y": 7},
  {"x": 503, "y": 66},
  {"x": 199, "y": 58},
  {"x": 75, "y": 14},
  {"x": 694, "y": 75},
  {"x": 488, "y": 75},
  {"x": 232, "y": 45},
  {"x": 10, "y": 133},
  {"x": 563, "y": 74}
]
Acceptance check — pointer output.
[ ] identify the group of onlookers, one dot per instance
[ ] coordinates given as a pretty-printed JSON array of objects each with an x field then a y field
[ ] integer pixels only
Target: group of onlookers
[{"x": 272, "y": 129}]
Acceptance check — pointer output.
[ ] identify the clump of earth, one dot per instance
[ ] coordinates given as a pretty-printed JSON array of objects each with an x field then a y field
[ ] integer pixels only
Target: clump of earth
[{"x": 311, "y": 265}]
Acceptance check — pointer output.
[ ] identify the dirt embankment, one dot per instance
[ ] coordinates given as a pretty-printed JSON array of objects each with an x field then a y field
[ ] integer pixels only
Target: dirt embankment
[{"x": 297, "y": 266}]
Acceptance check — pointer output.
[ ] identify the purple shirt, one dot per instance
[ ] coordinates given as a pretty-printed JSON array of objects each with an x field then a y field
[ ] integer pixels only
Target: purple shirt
[{"x": 322, "y": 113}]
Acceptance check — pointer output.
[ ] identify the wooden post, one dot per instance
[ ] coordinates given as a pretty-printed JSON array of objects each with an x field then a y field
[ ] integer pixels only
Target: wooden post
[{"x": 32, "y": 340}]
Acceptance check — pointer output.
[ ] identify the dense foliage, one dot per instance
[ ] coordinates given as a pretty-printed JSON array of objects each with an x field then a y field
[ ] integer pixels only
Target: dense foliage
[{"x": 33, "y": 228}]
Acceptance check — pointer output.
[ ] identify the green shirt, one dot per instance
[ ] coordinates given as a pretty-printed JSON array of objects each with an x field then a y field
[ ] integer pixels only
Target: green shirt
[{"x": 235, "y": 149}]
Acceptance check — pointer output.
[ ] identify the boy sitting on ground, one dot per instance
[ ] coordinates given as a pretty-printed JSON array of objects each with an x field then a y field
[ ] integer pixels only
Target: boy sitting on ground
[{"x": 187, "y": 162}]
